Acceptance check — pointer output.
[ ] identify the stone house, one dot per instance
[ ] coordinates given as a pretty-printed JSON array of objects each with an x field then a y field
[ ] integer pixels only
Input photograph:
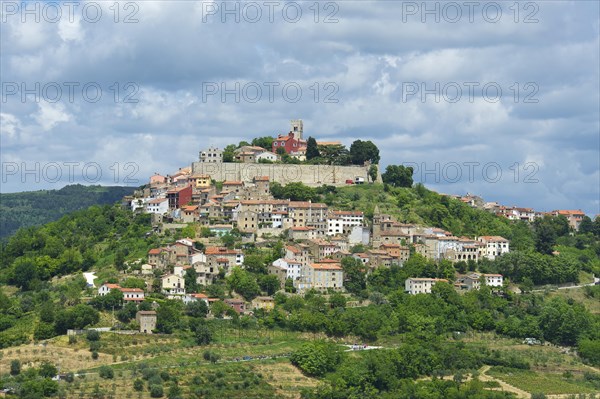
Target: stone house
[{"x": 147, "y": 320}]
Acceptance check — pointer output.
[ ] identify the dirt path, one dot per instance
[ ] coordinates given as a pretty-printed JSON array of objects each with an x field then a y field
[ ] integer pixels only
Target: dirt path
[
  {"x": 503, "y": 385},
  {"x": 484, "y": 377}
]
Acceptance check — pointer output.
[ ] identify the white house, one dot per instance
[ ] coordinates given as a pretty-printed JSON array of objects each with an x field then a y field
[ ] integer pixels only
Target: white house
[
  {"x": 277, "y": 218},
  {"x": 132, "y": 294},
  {"x": 197, "y": 258},
  {"x": 147, "y": 269},
  {"x": 494, "y": 246},
  {"x": 363, "y": 257},
  {"x": 415, "y": 285},
  {"x": 473, "y": 281},
  {"x": 173, "y": 285},
  {"x": 180, "y": 270},
  {"x": 493, "y": 280},
  {"x": 292, "y": 267},
  {"x": 266, "y": 156},
  {"x": 190, "y": 298},
  {"x": 158, "y": 206},
  {"x": 186, "y": 241},
  {"x": 359, "y": 235},
  {"x": 342, "y": 222},
  {"x": 514, "y": 213},
  {"x": 139, "y": 203},
  {"x": 107, "y": 287}
]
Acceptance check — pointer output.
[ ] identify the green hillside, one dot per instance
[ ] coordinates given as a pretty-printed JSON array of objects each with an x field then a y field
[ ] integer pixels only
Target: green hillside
[
  {"x": 95, "y": 237},
  {"x": 34, "y": 208},
  {"x": 445, "y": 333}
]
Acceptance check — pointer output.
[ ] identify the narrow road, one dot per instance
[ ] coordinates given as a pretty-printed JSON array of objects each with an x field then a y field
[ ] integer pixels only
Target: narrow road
[
  {"x": 503, "y": 385},
  {"x": 566, "y": 288}
]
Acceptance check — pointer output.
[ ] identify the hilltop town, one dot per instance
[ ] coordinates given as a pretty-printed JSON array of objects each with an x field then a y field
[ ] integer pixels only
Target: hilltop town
[
  {"x": 284, "y": 267},
  {"x": 299, "y": 200},
  {"x": 317, "y": 238}
]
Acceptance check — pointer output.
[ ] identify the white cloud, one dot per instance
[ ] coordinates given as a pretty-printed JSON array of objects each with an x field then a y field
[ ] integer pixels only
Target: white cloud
[
  {"x": 9, "y": 127},
  {"x": 68, "y": 30},
  {"x": 49, "y": 115}
]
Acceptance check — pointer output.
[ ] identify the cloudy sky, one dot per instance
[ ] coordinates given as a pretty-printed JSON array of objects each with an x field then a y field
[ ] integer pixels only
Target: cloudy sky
[{"x": 499, "y": 99}]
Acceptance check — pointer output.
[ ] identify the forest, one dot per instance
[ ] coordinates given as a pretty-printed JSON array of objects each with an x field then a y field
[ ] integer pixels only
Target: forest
[{"x": 34, "y": 208}]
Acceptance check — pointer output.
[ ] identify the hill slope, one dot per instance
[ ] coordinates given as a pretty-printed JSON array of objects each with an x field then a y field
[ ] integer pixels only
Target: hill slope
[{"x": 33, "y": 208}]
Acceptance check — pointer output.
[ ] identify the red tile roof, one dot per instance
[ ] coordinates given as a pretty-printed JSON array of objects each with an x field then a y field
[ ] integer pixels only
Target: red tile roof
[
  {"x": 352, "y": 213},
  {"x": 306, "y": 204},
  {"x": 427, "y": 279},
  {"x": 326, "y": 266},
  {"x": 220, "y": 251},
  {"x": 157, "y": 201},
  {"x": 493, "y": 239},
  {"x": 111, "y": 286},
  {"x": 570, "y": 212},
  {"x": 292, "y": 249},
  {"x": 131, "y": 290}
]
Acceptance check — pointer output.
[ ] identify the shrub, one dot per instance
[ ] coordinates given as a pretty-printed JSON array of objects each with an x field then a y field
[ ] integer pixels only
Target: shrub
[
  {"x": 138, "y": 385},
  {"x": 92, "y": 335},
  {"x": 106, "y": 372},
  {"x": 156, "y": 391},
  {"x": 174, "y": 392},
  {"x": 94, "y": 355},
  {"x": 203, "y": 334},
  {"x": 197, "y": 380},
  {"x": 155, "y": 380},
  {"x": 588, "y": 376},
  {"x": 15, "y": 367},
  {"x": 590, "y": 350},
  {"x": 317, "y": 358},
  {"x": 47, "y": 370}
]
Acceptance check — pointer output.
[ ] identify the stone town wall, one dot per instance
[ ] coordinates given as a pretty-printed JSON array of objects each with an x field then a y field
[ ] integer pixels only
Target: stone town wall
[{"x": 311, "y": 175}]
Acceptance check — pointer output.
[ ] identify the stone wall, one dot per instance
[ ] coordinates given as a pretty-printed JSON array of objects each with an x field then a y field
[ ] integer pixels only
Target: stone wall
[{"x": 311, "y": 175}]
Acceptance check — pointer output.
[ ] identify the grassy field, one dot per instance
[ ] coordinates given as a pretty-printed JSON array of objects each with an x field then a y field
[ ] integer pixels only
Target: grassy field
[
  {"x": 554, "y": 370},
  {"x": 578, "y": 294},
  {"x": 221, "y": 380},
  {"x": 287, "y": 379},
  {"x": 253, "y": 364},
  {"x": 549, "y": 383}
]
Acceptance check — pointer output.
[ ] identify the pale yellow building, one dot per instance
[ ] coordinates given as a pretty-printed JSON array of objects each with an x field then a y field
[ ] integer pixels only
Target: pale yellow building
[{"x": 321, "y": 276}]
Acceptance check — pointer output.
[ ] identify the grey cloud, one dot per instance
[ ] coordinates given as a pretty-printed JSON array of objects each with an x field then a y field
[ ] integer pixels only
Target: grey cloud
[{"x": 368, "y": 54}]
